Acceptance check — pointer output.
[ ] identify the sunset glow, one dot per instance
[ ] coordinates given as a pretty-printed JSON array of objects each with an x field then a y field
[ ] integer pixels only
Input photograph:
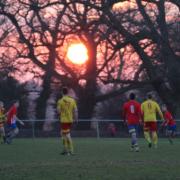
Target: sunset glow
[{"x": 77, "y": 53}]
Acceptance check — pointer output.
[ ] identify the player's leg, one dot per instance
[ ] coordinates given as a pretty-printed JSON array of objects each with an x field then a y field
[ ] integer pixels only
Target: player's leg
[
  {"x": 2, "y": 135},
  {"x": 8, "y": 129},
  {"x": 134, "y": 143},
  {"x": 65, "y": 144},
  {"x": 171, "y": 132},
  {"x": 173, "y": 135},
  {"x": 130, "y": 129},
  {"x": 174, "y": 131},
  {"x": 69, "y": 139},
  {"x": 153, "y": 129},
  {"x": 64, "y": 138},
  {"x": 70, "y": 144},
  {"x": 136, "y": 134},
  {"x": 147, "y": 134},
  {"x": 12, "y": 134},
  {"x": 170, "y": 137},
  {"x": 154, "y": 138}
]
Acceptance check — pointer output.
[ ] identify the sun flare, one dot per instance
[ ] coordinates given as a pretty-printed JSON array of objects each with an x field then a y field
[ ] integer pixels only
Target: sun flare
[{"x": 77, "y": 53}]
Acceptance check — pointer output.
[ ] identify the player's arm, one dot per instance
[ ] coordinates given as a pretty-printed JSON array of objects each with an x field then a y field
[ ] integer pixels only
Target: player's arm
[
  {"x": 164, "y": 123},
  {"x": 159, "y": 112},
  {"x": 142, "y": 112},
  {"x": 75, "y": 114},
  {"x": 75, "y": 111},
  {"x": 4, "y": 118},
  {"x": 18, "y": 120}
]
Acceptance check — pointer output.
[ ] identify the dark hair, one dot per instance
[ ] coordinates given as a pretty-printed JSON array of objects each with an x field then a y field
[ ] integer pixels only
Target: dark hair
[
  {"x": 132, "y": 96},
  {"x": 149, "y": 96},
  {"x": 65, "y": 90}
]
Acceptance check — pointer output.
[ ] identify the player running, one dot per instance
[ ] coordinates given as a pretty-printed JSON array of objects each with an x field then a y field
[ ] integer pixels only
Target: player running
[
  {"x": 11, "y": 122},
  {"x": 169, "y": 123},
  {"x": 2, "y": 121},
  {"x": 149, "y": 110},
  {"x": 132, "y": 117},
  {"x": 68, "y": 111}
]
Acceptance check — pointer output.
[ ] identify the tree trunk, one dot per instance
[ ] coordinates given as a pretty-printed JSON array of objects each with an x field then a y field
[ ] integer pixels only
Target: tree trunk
[
  {"x": 44, "y": 95},
  {"x": 87, "y": 93},
  {"x": 46, "y": 86},
  {"x": 168, "y": 95},
  {"x": 86, "y": 106}
]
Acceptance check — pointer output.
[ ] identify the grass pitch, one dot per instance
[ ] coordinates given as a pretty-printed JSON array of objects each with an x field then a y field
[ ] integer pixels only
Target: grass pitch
[{"x": 103, "y": 159}]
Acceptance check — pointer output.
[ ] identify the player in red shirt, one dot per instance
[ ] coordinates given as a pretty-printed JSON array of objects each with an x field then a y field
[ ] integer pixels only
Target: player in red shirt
[
  {"x": 132, "y": 117},
  {"x": 169, "y": 123},
  {"x": 112, "y": 129},
  {"x": 11, "y": 122}
]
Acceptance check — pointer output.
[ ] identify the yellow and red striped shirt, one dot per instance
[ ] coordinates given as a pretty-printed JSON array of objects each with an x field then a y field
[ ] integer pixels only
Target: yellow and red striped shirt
[
  {"x": 149, "y": 110},
  {"x": 66, "y": 106}
]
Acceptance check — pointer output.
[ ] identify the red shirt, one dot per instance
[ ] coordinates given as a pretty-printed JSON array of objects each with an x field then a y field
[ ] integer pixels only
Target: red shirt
[
  {"x": 168, "y": 119},
  {"x": 112, "y": 129},
  {"x": 132, "y": 112},
  {"x": 11, "y": 113}
]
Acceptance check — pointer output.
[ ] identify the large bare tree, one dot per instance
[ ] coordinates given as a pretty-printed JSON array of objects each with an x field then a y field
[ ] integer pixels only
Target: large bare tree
[
  {"x": 157, "y": 21},
  {"x": 131, "y": 46}
]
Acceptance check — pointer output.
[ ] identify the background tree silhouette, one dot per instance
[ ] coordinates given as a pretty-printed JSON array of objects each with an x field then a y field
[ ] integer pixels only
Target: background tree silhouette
[{"x": 131, "y": 45}]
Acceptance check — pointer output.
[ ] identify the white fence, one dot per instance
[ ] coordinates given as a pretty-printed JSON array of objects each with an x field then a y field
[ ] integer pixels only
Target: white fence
[{"x": 84, "y": 128}]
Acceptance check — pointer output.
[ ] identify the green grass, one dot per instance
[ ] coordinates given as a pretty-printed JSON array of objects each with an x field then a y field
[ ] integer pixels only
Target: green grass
[{"x": 103, "y": 159}]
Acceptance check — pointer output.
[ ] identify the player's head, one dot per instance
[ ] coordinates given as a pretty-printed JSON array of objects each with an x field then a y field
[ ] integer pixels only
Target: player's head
[
  {"x": 65, "y": 90},
  {"x": 149, "y": 96},
  {"x": 164, "y": 108},
  {"x": 1, "y": 104},
  {"x": 132, "y": 96}
]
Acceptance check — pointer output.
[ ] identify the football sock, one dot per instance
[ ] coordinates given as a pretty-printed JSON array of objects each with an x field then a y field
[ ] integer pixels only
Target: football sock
[
  {"x": 65, "y": 144},
  {"x": 133, "y": 138},
  {"x": 13, "y": 133},
  {"x": 147, "y": 136},
  {"x": 70, "y": 144},
  {"x": 154, "y": 138},
  {"x": 71, "y": 148}
]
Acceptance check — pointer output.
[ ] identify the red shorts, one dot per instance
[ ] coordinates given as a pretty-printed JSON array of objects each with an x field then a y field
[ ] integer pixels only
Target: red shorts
[
  {"x": 66, "y": 128},
  {"x": 150, "y": 126}
]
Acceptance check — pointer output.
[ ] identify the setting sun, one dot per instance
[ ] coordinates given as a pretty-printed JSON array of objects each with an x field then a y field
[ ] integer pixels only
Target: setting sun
[{"x": 77, "y": 53}]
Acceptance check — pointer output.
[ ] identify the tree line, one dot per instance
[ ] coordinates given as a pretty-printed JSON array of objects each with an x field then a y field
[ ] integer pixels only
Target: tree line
[{"x": 131, "y": 45}]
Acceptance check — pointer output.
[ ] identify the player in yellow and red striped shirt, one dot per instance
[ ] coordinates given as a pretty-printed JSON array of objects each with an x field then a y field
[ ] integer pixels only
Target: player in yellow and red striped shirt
[
  {"x": 67, "y": 109},
  {"x": 150, "y": 109}
]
